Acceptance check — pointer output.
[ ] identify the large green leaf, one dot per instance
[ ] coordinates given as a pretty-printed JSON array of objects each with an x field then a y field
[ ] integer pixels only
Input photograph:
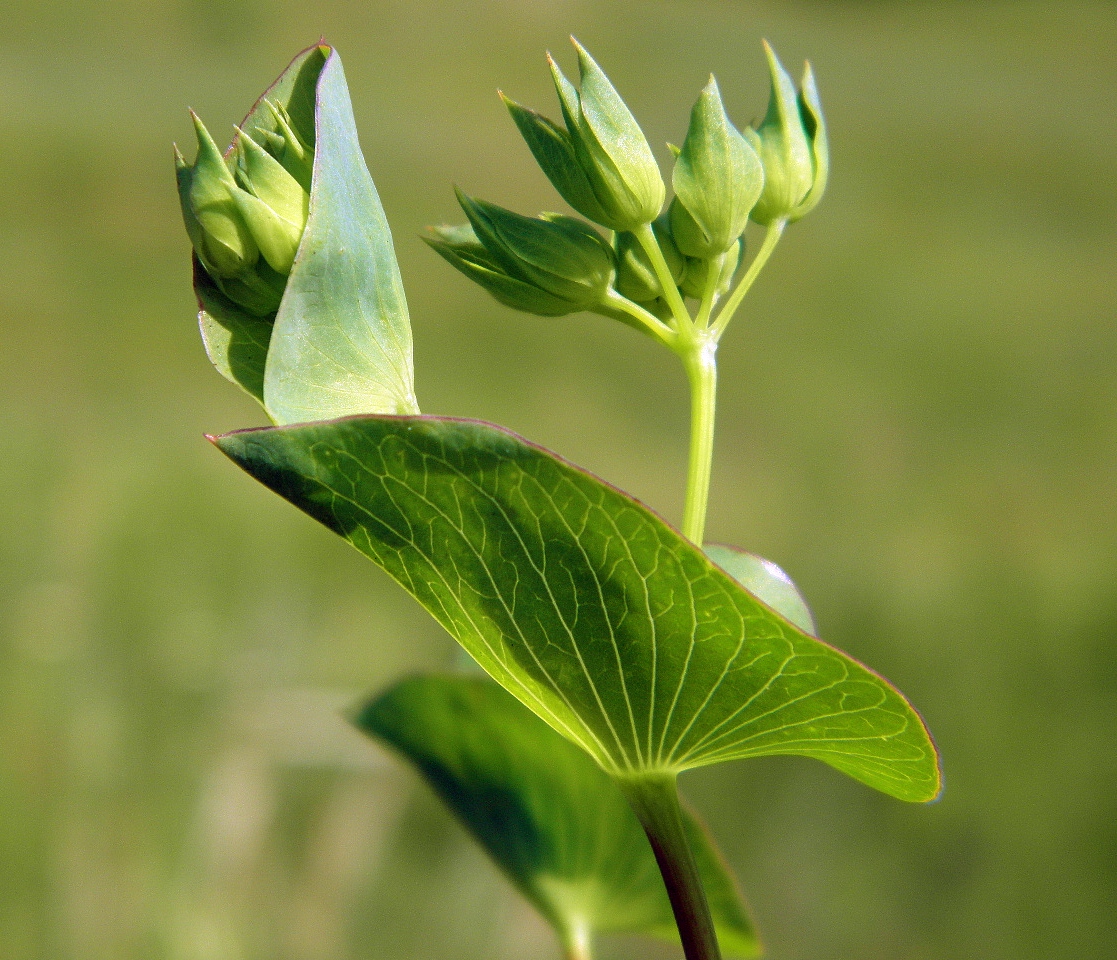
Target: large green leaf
[
  {"x": 587, "y": 606},
  {"x": 546, "y": 813},
  {"x": 342, "y": 338}
]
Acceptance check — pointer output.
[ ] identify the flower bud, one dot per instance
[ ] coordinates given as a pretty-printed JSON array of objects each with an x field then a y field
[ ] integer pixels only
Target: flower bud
[
  {"x": 601, "y": 164},
  {"x": 288, "y": 147},
  {"x": 636, "y": 277},
  {"x": 791, "y": 143},
  {"x": 717, "y": 179},
  {"x": 460, "y": 247},
  {"x": 553, "y": 149},
  {"x": 610, "y": 146},
  {"x": 246, "y": 216},
  {"x": 219, "y": 234},
  {"x": 272, "y": 203},
  {"x": 697, "y": 271},
  {"x": 258, "y": 290},
  {"x": 560, "y": 255}
]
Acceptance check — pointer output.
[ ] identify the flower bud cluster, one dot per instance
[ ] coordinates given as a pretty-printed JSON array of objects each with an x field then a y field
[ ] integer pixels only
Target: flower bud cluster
[
  {"x": 550, "y": 265},
  {"x": 600, "y": 162},
  {"x": 245, "y": 212}
]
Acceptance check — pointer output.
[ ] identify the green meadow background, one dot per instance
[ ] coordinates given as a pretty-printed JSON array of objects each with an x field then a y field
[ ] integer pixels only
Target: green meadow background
[{"x": 918, "y": 421}]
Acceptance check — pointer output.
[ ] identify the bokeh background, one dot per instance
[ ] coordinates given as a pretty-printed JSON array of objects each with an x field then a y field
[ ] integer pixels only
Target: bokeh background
[{"x": 918, "y": 421}]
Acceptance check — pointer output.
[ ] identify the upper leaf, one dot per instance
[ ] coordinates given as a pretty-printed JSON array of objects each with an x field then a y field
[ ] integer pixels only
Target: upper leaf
[
  {"x": 236, "y": 341},
  {"x": 585, "y": 605},
  {"x": 546, "y": 813},
  {"x": 342, "y": 338}
]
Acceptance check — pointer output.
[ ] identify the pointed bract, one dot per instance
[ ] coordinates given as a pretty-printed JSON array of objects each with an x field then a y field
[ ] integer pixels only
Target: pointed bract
[
  {"x": 297, "y": 158},
  {"x": 553, "y": 150},
  {"x": 264, "y": 177},
  {"x": 602, "y": 137},
  {"x": 810, "y": 111},
  {"x": 460, "y": 247},
  {"x": 245, "y": 224},
  {"x": 221, "y": 238},
  {"x": 622, "y": 159},
  {"x": 278, "y": 239}
]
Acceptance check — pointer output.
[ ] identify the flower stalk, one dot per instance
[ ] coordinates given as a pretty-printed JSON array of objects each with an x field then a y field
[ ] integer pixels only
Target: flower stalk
[{"x": 641, "y": 272}]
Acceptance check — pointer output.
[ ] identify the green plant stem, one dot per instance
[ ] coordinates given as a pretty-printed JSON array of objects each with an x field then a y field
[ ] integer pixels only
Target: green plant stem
[
  {"x": 650, "y": 322},
  {"x": 699, "y": 356},
  {"x": 655, "y": 800},
  {"x": 645, "y": 236},
  {"x": 709, "y": 295},
  {"x": 771, "y": 238}
]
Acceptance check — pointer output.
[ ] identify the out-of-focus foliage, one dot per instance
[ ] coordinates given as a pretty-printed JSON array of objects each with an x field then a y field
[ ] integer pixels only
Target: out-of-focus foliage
[{"x": 174, "y": 779}]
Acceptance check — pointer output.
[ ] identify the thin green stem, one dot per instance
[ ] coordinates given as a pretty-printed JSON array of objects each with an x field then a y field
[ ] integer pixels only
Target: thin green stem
[
  {"x": 655, "y": 799},
  {"x": 646, "y": 238},
  {"x": 771, "y": 238},
  {"x": 656, "y": 327},
  {"x": 699, "y": 356},
  {"x": 709, "y": 295}
]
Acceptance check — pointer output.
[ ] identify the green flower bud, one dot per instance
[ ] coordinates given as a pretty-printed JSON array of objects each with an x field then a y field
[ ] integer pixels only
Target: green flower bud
[
  {"x": 220, "y": 236},
  {"x": 273, "y": 203},
  {"x": 688, "y": 235},
  {"x": 288, "y": 147},
  {"x": 246, "y": 223},
  {"x": 258, "y": 290},
  {"x": 553, "y": 149},
  {"x": 560, "y": 255},
  {"x": 460, "y": 247},
  {"x": 694, "y": 282},
  {"x": 791, "y": 143},
  {"x": 610, "y": 146},
  {"x": 601, "y": 163},
  {"x": 717, "y": 179},
  {"x": 636, "y": 278}
]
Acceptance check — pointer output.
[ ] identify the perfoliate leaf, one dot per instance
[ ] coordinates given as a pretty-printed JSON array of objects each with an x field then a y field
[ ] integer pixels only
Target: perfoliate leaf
[
  {"x": 547, "y": 814},
  {"x": 765, "y": 580},
  {"x": 586, "y": 606},
  {"x": 342, "y": 338},
  {"x": 235, "y": 340}
]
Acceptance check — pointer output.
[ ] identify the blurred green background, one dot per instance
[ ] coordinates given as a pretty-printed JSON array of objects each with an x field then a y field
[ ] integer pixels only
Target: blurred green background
[{"x": 918, "y": 421}]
